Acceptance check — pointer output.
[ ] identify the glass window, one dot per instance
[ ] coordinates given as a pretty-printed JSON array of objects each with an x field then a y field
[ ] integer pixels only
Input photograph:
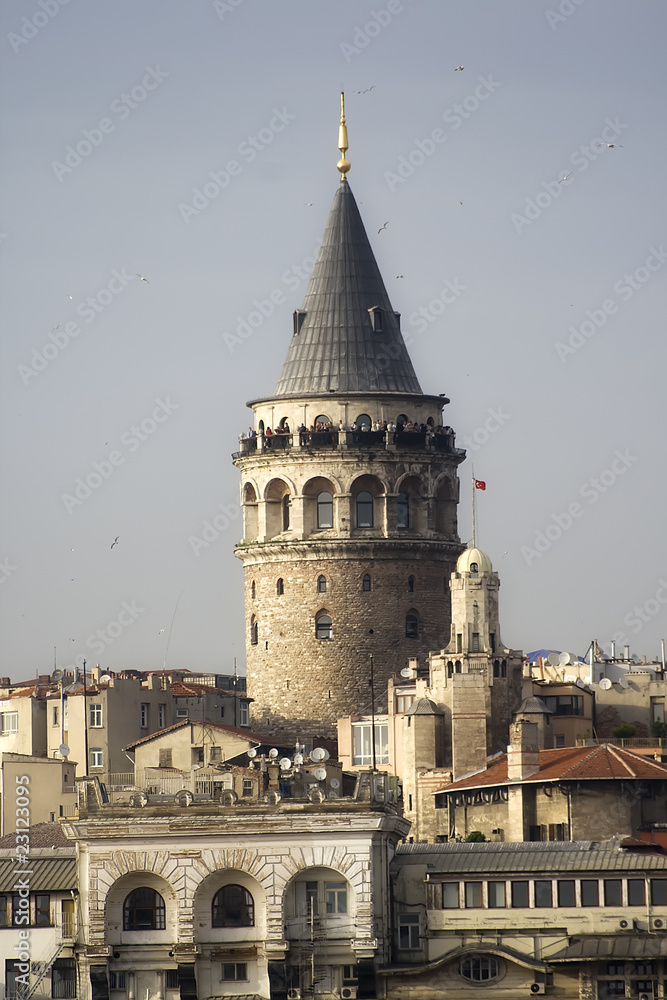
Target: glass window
[
  {"x": 144, "y": 910},
  {"x": 335, "y": 896},
  {"x": 362, "y": 750},
  {"x": 323, "y": 627},
  {"x": 613, "y": 988},
  {"x": 659, "y": 891},
  {"x": 408, "y": 930},
  {"x": 9, "y": 722},
  {"x": 364, "y": 510},
  {"x": 325, "y": 510},
  {"x": 450, "y": 895},
  {"x": 403, "y": 510},
  {"x": 96, "y": 757},
  {"x": 473, "y": 894},
  {"x": 63, "y": 978},
  {"x": 613, "y": 892},
  {"x": 566, "y": 893},
  {"x": 254, "y": 631},
  {"x": 590, "y": 893},
  {"x": 233, "y": 906},
  {"x": 5, "y": 911},
  {"x": 11, "y": 986},
  {"x": 543, "y": 893},
  {"x": 244, "y": 714},
  {"x": 145, "y": 713},
  {"x": 638, "y": 986},
  {"x": 161, "y": 716},
  {"x": 615, "y": 968},
  {"x": 479, "y": 968},
  {"x": 363, "y": 422},
  {"x": 411, "y": 626},
  {"x": 644, "y": 969},
  {"x": 366, "y": 582},
  {"x": 411, "y": 585},
  {"x": 496, "y": 894},
  {"x": 234, "y": 971},
  {"x": 117, "y": 980},
  {"x": 247, "y": 787},
  {"x": 55, "y": 715},
  {"x": 519, "y": 894},
  {"x": 42, "y": 910},
  {"x": 322, "y": 584},
  {"x": 171, "y": 979},
  {"x": 95, "y": 715},
  {"x": 636, "y": 892}
]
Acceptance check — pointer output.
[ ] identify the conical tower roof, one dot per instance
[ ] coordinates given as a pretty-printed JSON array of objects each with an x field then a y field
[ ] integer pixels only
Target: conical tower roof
[{"x": 338, "y": 346}]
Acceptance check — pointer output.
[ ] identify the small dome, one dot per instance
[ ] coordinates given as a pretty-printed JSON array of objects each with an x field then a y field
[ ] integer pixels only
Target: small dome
[{"x": 471, "y": 558}]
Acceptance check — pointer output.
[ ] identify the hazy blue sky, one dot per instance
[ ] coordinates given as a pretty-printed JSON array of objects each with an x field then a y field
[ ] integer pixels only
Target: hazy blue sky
[{"x": 552, "y": 350}]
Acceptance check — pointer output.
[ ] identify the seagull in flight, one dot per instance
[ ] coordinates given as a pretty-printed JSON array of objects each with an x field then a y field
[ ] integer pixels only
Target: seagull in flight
[
  {"x": 141, "y": 277},
  {"x": 382, "y": 227},
  {"x": 367, "y": 90},
  {"x": 399, "y": 275},
  {"x": 614, "y": 145},
  {"x": 459, "y": 69},
  {"x": 563, "y": 179},
  {"x": 115, "y": 541}
]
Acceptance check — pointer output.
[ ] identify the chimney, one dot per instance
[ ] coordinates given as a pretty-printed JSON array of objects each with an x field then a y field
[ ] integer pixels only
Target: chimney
[{"x": 523, "y": 755}]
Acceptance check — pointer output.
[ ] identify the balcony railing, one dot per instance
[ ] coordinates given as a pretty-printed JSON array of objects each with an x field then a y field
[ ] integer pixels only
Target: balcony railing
[{"x": 316, "y": 440}]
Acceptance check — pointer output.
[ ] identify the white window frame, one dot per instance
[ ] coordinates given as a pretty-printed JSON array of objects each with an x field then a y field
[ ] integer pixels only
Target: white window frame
[
  {"x": 95, "y": 715},
  {"x": 362, "y": 751},
  {"x": 244, "y": 713},
  {"x": 96, "y": 757},
  {"x": 9, "y": 723},
  {"x": 145, "y": 714}
]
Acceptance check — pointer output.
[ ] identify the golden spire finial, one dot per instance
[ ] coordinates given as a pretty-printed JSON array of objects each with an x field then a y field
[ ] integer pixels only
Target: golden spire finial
[{"x": 343, "y": 164}]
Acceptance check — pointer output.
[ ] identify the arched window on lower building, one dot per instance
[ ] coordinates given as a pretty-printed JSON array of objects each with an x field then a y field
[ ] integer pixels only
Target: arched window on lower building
[
  {"x": 323, "y": 626},
  {"x": 144, "y": 910},
  {"x": 366, "y": 582},
  {"x": 321, "y": 584},
  {"x": 325, "y": 510},
  {"x": 233, "y": 906}
]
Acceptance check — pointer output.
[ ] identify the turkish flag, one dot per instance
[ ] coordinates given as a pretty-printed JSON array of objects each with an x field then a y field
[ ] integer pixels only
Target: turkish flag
[{"x": 480, "y": 484}]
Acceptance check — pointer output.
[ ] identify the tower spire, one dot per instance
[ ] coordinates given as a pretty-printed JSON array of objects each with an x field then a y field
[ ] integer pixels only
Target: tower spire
[{"x": 343, "y": 164}]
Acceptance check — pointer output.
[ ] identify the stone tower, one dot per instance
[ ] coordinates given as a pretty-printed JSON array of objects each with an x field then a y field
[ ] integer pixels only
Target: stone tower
[{"x": 349, "y": 526}]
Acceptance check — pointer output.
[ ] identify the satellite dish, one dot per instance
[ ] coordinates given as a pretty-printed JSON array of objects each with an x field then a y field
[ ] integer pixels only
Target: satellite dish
[
  {"x": 605, "y": 683},
  {"x": 318, "y": 753},
  {"x": 57, "y": 675},
  {"x": 229, "y": 797},
  {"x": 63, "y": 750},
  {"x": 138, "y": 800},
  {"x": 105, "y": 678},
  {"x": 623, "y": 682},
  {"x": 554, "y": 659},
  {"x": 298, "y": 758},
  {"x": 320, "y": 773},
  {"x": 580, "y": 683},
  {"x": 273, "y": 753},
  {"x": 285, "y": 763},
  {"x": 326, "y": 755},
  {"x": 184, "y": 798},
  {"x": 564, "y": 659},
  {"x": 406, "y": 672},
  {"x": 316, "y": 795},
  {"x": 335, "y": 783},
  {"x": 272, "y": 798},
  {"x": 333, "y": 795},
  {"x": 252, "y": 753}
]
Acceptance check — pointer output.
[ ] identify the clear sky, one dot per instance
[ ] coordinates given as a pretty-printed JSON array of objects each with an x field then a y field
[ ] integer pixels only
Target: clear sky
[{"x": 195, "y": 144}]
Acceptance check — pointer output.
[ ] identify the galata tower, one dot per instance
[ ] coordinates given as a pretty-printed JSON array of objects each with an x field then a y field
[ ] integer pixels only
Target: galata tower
[{"x": 349, "y": 490}]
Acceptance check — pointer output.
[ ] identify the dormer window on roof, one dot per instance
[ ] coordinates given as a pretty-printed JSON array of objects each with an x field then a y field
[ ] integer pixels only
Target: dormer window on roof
[
  {"x": 375, "y": 313},
  {"x": 298, "y": 316}
]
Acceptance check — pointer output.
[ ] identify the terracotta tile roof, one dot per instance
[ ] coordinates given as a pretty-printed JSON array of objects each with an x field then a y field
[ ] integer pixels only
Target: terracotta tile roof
[
  {"x": 594, "y": 763},
  {"x": 232, "y": 730},
  {"x": 41, "y": 835}
]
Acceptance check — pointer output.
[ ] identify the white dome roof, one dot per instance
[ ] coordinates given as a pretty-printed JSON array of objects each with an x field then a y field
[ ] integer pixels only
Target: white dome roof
[{"x": 470, "y": 556}]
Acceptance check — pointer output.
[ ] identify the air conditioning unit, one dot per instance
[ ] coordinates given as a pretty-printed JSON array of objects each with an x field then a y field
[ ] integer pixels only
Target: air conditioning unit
[
  {"x": 645, "y": 996},
  {"x": 294, "y": 994},
  {"x": 658, "y": 924},
  {"x": 349, "y": 992},
  {"x": 626, "y": 925},
  {"x": 536, "y": 988}
]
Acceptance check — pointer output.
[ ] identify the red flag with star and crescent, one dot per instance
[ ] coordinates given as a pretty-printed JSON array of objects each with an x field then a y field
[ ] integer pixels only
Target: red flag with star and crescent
[{"x": 480, "y": 484}]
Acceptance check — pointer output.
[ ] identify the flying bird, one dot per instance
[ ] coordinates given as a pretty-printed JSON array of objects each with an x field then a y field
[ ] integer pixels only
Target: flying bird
[
  {"x": 614, "y": 145},
  {"x": 459, "y": 69},
  {"x": 115, "y": 541},
  {"x": 399, "y": 275},
  {"x": 367, "y": 90},
  {"x": 161, "y": 631},
  {"x": 141, "y": 277},
  {"x": 383, "y": 227},
  {"x": 563, "y": 179},
  {"x": 308, "y": 204}
]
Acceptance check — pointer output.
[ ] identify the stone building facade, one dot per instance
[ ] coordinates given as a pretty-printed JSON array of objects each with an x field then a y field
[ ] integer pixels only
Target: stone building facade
[{"x": 349, "y": 504}]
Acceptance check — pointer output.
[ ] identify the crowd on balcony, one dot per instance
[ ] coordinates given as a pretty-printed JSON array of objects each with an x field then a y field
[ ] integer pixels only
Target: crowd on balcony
[{"x": 359, "y": 427}]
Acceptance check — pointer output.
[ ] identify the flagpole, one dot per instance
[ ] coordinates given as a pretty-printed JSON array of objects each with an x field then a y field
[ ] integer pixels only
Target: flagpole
[{"x": 473, "y": 508}]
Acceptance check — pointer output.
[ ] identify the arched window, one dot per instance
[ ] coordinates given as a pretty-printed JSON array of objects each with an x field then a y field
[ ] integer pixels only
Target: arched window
[
  {"x": 411, "y": 626},
  {"x": 363, "y": 422},
  {"x": 403, "y": 510},
  {"x": 450, "y": 668},
  {"x": 366, "y": 582},
  {"x": 503, "y": 668},
  {"x": 233, "y": 906},
  {"x": 286, "y": 511},
  {"x": 479, "y": 968},
  {"x": 323, "y": 626},
  {"x": 474, "y": 569},
  {"x": 364, "y": 510},
  {"x": 411, "y": 585},
  {"x": 280, "y": 586},
  {"x": 260, "y": 427},
  {"x": 144, "y": 910},
  {"x": 254, "y": 631},
  {"x": 321, "y": 584},
  {"x": 496, "y": 668},
  {"x": 324, "y": 510},
  {"x": 253, "y": 590},
  {"x": 457, "y": 667},
  {"x": 401, "y": 421}
]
